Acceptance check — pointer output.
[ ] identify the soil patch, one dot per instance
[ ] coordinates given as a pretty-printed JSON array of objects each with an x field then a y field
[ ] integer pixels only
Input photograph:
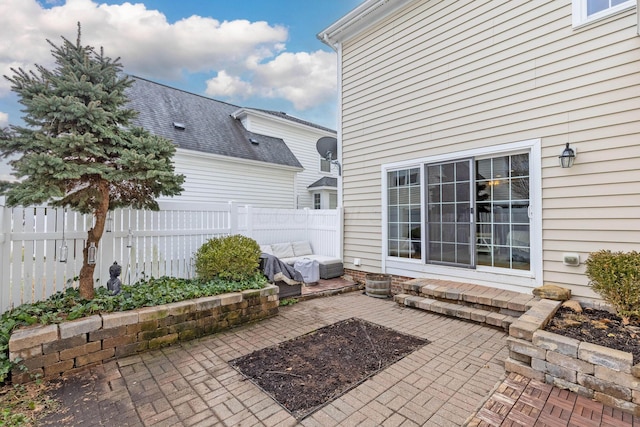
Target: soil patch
[
  {"x": 309, "y": 371},
  {"x": 598, "y": 327}
]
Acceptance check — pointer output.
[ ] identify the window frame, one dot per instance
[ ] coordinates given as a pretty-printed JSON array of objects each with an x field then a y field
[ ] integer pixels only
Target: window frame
[
  {"x": 325, "y": 164},
  {"x": 411, "y": 267},
  {"x": 579, "y": 12},
  {"x": 317, "y": 201}
]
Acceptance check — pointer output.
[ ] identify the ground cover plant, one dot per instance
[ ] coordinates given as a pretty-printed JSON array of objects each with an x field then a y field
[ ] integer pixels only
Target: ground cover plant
[
  {"x": 309, "y": 371},
  {"x": 68, "y": 305},
  {"x": 21, "y": 405}
]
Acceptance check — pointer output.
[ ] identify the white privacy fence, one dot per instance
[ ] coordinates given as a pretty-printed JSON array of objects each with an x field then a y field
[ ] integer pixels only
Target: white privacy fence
[{"x": 145, "y": 243}]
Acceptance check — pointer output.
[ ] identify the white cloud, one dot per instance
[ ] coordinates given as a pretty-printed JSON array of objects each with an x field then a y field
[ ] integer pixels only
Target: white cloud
[
  {"x": 228, "y": 86},
  {"x": 304, "y": 79},
  {"x": 246, "y": 58},
  {"x": 144, "y": 40},
  {"x": 4, "y": 119}
]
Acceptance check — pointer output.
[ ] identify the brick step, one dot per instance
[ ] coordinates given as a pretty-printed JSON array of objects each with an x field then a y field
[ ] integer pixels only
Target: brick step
[
  {"x": 466, "y": 312},
  {"x": 495, "y": 307}
]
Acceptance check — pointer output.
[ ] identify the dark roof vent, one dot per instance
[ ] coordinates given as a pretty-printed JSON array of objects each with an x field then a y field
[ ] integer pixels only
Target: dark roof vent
[
  {"x": 254, "y": 141},
  {"x": 179, "y": 126}
]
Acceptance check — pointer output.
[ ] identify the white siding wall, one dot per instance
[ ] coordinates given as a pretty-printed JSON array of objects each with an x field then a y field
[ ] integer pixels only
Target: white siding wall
[
  {"x": 221, "y": 179},
  {"x": 301, "y": 140},
  {"x": 440, "y": 77}
]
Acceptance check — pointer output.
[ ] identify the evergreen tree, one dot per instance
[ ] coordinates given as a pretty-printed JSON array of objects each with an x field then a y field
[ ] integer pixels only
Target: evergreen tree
[{"x": 78, "y": 149}]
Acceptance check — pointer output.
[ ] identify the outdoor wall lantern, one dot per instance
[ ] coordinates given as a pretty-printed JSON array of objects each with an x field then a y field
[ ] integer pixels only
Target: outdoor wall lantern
[
  {"x": 109, "y": 224},
  {"x": 567, "y": 157},
  {"x": 91, "y": 253}
]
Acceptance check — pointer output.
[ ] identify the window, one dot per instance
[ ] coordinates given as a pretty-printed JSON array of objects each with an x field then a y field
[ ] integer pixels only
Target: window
[
  {"x": 325, "y": 166},
  {"x": 476, "y": 212},
  {"x": 316, "y": 201},
  {"x": 403, "y": 204},
  {"x": 585, "y": 11},
  {"x": 333, "y": 200}
]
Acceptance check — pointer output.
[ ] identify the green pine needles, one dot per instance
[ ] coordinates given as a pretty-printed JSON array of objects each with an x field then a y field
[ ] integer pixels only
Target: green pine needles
[{"x": 78, "y": 148}]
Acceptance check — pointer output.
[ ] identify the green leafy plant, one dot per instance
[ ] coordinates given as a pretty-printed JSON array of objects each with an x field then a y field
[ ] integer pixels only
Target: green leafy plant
[
  {"x": 288, "y": 301},
  {"x": 232, "y": 257},
  {"x": 23, "y": 404},
  {"x": 615, "y": 276},
  {"x": 70, "y": 305}
]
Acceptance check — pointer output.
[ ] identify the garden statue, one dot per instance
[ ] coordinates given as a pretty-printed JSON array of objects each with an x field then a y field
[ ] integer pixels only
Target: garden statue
[{"x": 114, "y": 283}]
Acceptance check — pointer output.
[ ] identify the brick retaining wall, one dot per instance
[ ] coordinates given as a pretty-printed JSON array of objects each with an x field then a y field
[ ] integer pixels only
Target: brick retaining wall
[
  {"x": 53, "y": 350},
  {"x": 591, "y": 370}
]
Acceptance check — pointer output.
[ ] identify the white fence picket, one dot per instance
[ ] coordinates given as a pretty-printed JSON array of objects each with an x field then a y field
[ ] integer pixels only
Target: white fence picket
[{"x": 162, "y": 242}]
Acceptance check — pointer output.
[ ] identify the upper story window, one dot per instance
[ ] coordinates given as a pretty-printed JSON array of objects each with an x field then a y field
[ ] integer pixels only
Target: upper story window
[
  {"x": 585, "y": 11},
  {"x": 325, "y": 166}
]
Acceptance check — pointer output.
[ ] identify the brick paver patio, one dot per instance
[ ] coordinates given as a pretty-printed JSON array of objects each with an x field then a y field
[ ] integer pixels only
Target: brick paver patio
[{"x": 445, "y": 383}]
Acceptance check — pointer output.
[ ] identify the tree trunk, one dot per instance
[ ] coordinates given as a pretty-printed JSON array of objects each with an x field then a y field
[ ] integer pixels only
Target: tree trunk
[{"x": 86, "y": 288}]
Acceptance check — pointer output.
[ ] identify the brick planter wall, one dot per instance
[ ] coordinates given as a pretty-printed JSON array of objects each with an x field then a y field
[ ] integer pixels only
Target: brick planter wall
[
  {"x": 54, "y": 350},
  {"x": 591, "y": 370}
]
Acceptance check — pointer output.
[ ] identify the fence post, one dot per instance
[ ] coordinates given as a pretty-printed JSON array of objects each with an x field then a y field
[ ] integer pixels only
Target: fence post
[
  {"x": 233, "y": 218},
  {"x": 306, "y": 224},
  {"x": 249, "y": 213},
  {"x": 340, "y": 231},
  {"x": 5, "y": 245}
]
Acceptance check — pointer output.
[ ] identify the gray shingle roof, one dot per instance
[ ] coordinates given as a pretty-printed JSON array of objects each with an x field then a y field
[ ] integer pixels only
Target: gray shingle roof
[
  {"x": 208, "y": 125},
  {"x": 325, "y": 181}
]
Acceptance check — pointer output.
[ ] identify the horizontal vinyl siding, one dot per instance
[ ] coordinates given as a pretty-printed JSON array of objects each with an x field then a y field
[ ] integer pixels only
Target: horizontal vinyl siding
[
  {"x": 218, "y": 180},
  {"x": 302, "y": 142},
  {"x": 440, "y": 77}
]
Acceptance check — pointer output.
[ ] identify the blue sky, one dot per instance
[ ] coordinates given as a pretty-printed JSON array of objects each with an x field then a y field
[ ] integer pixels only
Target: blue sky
[{"x": 252, "y": 53}]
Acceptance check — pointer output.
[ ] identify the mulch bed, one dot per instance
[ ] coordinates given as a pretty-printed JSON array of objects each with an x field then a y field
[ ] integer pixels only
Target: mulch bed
[
  {"x": 598, "y": 327},
  {"x": 309, "y": 371}
]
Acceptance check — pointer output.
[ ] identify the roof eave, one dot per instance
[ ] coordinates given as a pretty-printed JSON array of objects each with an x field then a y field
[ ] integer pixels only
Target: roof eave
[
  {"x": 244, "y": 112},
  {"x": 359, "y": 19},
  {"x": 232, "y": 159}
]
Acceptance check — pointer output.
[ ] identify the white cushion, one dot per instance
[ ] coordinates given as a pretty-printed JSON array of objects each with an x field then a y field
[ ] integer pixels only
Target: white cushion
[
  {"x": 282, "y": 250},
  {"x": 301, "y": 248},
  {"x": 266, "y": 249},
  {"x": 325, "y": 260}
]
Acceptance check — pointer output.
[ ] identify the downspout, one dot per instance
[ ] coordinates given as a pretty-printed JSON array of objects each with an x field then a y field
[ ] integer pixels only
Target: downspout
[{"x": 339, "y": 135}]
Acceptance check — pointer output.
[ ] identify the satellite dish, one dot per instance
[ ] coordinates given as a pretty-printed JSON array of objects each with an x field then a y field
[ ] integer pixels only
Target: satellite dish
[{"x": 327, "y": 147}]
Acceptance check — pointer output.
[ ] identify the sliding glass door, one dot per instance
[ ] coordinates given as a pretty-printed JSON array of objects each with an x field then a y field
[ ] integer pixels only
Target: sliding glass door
[{"x": 476, "y": 212}]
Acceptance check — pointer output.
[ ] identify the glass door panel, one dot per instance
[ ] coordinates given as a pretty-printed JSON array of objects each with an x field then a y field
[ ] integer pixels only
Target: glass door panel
[
  {"x": 449, "y": 213},
  {"x": 502, "y": 212}
]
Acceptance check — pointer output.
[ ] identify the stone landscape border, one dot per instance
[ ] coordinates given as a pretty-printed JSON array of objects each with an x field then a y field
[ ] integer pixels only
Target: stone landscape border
[
  {"x": 597, "y": 372},
  {"x": 49, "y": 351}
]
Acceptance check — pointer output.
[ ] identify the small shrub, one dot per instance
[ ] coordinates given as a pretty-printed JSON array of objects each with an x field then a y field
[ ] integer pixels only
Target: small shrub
[
  {"x": 615, "y": 276},
  {"x": 232, "y": 257}
]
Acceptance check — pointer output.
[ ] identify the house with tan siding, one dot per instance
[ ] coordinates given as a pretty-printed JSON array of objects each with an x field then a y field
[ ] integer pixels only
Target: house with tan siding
[{"x": 453, "y": 115}]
